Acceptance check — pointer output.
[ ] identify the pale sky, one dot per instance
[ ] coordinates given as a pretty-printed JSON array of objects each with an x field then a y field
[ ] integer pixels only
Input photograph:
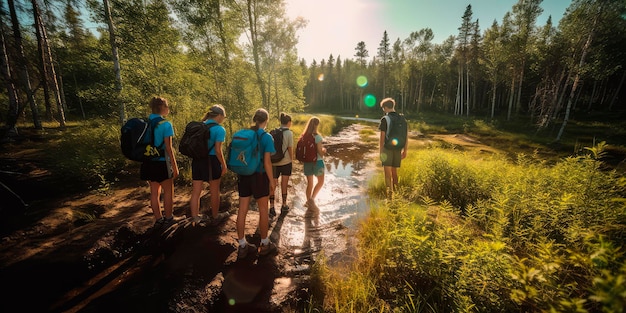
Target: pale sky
[{"x": 336, "y": 26}]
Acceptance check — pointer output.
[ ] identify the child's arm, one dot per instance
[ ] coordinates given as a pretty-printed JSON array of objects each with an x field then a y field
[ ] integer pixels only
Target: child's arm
[
  {"x": 267, "y": 163},
  {"x": 170, "y": 153},
  {"x": 220, "y": 156}
]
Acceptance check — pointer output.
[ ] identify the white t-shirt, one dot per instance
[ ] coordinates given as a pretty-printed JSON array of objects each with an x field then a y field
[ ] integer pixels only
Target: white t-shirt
[{"x": 287, "y": 142}]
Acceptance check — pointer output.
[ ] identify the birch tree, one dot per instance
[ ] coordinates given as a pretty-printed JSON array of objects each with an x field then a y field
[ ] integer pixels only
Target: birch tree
[
  {"x": 23, "y": 66},
  {"x": 116, "y": 61},
  {"x": 5, "y": 70},
  {"x": 46, "y": 63}
]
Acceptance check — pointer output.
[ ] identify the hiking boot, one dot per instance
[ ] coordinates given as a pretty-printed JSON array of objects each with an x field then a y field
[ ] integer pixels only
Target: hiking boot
[
  {"x": 242, "y": 252},
  {"x": 221, "y": 217},
  {"x": 272, "y": 212},
  {"x": 267, "y": 249},
  {"x": 284, "y": 208}
]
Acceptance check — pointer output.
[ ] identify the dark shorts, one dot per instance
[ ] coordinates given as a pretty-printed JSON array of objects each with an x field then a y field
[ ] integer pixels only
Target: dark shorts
[
  {"x": 154, "y": 171},
  {"x": 256, "y": 185},
  {"x": 284, "y": 170},
  {"x": 200, "y": 169},
  {"x": 391, "y": 157}
]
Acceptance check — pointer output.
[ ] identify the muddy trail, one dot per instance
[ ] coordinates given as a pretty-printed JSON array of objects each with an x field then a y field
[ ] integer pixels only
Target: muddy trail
[{"x": 118, "y": 263}]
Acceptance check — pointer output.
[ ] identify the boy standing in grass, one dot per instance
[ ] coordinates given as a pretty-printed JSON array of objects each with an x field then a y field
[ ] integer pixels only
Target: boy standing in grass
[
  {"x": 393, "y": 142},
  {"x": 161, "y": 171}
]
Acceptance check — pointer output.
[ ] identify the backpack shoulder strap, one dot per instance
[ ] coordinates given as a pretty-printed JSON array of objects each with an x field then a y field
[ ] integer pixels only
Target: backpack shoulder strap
[
  {"x": 153, "y": 125},
  {"x": 209, "y": 127},
  {"x": 388, "y": 119}
]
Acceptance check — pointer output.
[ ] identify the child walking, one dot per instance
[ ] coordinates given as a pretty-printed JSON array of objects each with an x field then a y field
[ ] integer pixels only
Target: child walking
[
  {"x": 161, "y": 171},
  {"x": 257, "y": 185},
  {"x": 212, "y": 169},
  {"x": 283, "y": 167},
  {"x": 317, "y": 167}
]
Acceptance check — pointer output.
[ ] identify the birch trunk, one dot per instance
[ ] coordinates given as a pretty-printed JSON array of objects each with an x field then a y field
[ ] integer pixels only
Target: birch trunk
[
  {"x": 116, "y": 61},
  {"x": 23, "y": 67}
]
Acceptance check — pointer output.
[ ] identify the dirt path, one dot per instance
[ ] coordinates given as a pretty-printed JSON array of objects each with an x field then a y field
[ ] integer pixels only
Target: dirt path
[{"x": 116, "y": 262}]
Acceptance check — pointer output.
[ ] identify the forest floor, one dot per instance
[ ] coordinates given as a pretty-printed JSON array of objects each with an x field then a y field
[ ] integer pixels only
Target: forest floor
[{"x": 64, "y": 249}]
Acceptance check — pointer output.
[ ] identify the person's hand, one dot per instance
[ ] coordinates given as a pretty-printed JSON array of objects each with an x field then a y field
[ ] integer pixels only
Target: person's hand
[
  {"x": 224, "y": 169},
  {"x": 403, "y": 154}
]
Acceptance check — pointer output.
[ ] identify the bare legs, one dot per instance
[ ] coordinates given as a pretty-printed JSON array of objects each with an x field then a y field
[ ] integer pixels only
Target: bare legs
[
  {"x": 168, "y": 198},
  {"x": 214, "y": 189},
  {"x": 244, "y": 204},
  {"x": 197, "y": 186},
  {"x": 284, "y": 184},
  {"x": 312, "y": 191},
  {"x": 391, "y": 178}
]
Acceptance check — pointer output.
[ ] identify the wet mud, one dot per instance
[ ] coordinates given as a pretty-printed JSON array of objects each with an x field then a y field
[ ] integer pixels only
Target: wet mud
[{"x": 118, "y": 263}]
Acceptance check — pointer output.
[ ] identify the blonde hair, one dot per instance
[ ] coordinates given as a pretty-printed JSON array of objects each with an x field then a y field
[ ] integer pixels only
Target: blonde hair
[
  {"x": 215, "y": 110},
  {"x": 388, "y": 103},
  {"x": 311, "y": 126}
]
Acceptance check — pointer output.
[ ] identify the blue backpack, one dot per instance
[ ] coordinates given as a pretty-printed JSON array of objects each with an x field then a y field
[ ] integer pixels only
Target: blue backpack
[{"x": 244, "y": 152}]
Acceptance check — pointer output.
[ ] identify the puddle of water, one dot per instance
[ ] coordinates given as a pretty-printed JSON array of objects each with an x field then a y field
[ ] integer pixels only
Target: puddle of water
[{"x": 342, "y": 201}]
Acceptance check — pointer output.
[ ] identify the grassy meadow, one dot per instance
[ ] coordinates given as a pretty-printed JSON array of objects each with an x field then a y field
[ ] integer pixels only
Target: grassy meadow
[{"x": 471, "y": 231}]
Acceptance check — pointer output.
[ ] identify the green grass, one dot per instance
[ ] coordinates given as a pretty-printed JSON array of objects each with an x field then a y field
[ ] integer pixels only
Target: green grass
[{"x": 469, "y": 232}]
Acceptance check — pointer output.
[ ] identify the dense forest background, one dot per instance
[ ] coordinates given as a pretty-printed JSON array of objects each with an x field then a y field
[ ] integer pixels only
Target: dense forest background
[{"x": 242, "y": 53}]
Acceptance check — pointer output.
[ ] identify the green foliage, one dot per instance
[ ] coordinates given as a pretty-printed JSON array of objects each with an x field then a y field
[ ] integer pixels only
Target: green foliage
[
  {"x": 89, "y": 152},
  {"x": 532, "y": 237}
]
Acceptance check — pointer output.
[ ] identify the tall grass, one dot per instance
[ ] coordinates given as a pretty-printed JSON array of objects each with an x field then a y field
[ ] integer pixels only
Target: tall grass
[
  {"x": 88, "y": 152},
  {"x": 475, "y": 232}
]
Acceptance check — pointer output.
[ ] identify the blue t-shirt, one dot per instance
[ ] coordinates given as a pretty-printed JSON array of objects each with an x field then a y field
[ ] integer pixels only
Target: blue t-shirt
[
  {"x": 318, "y": 139},
  {"x": 267, "y": 145},
  {"x": 162, "y": 130},
  {"x": 217, "y": 134}
]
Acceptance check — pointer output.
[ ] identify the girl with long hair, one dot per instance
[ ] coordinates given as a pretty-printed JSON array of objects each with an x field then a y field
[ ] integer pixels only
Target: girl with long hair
[{"x": 317, "y": 167}]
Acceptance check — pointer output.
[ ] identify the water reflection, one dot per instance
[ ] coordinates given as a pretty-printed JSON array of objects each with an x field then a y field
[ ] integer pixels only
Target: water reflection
[
  {"x": 341, "y": 202},
  {"x": 312, "y": 240}
]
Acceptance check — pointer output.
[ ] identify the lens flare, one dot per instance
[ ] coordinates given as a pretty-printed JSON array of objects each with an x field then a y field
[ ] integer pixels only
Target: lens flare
[
  {"x": 394, "y": 142},
  {"x": 361, "y": 81},
  {"x": 231, "y": 302},
  {"x": 383, "y": 157},
  {"x": 320, "y": 77},
  {"x": 369, "y": 100}
]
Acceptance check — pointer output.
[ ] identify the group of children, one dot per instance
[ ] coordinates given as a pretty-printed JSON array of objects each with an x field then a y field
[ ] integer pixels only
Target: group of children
[{"x": 261, "y": 185}]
